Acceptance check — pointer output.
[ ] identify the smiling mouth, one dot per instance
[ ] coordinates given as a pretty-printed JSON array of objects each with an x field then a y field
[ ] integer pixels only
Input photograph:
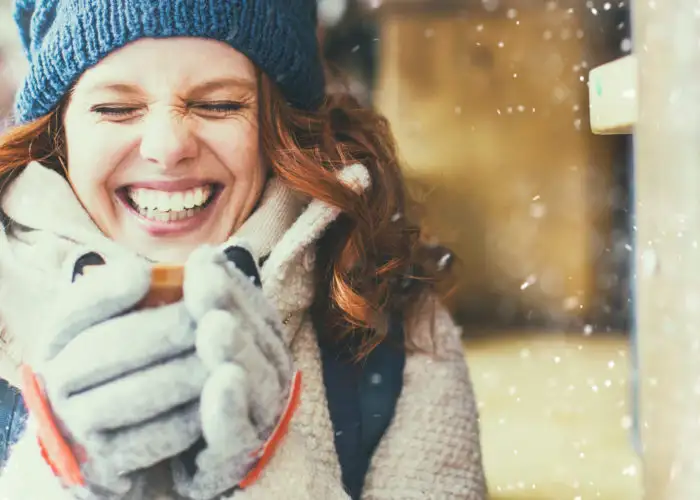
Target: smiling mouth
[{"x": 169, "y": 206}]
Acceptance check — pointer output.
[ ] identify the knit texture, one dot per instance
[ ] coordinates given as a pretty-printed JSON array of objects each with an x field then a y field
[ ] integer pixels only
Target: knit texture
[
  {"x": 431, "y": 449},
  {"x": 63, "y": 38}
]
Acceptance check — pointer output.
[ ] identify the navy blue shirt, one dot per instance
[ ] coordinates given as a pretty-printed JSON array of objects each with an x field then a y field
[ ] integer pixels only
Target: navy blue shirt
[{"x": 362, "y": 398}]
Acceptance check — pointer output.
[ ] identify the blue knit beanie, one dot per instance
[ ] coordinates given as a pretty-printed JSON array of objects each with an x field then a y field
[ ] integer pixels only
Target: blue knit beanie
[{"x": 63, "y": 38}]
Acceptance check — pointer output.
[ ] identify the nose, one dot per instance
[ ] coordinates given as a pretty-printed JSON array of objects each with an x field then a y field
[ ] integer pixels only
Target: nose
[{"x": 168, "y": 139}]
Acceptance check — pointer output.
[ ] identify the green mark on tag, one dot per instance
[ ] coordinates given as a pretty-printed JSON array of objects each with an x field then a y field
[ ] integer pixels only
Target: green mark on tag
[{"x": 598, "y": 88}]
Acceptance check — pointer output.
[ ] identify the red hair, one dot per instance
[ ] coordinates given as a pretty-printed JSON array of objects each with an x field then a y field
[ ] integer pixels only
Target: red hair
[{"x": 371, "y": 260}]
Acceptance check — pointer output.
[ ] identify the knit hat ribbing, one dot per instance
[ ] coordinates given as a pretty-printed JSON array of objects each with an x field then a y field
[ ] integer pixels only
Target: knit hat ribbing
[{"x": 63, "y": 38}]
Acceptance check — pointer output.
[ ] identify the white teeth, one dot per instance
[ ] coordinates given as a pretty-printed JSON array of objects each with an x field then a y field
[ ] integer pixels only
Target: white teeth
[
  {"x": 199, "y": 196},
  {"x": 177, "y": 201},
  {"x": 165, "y": 201},
  {"x": 162, "y": 201},
  {"x": 150, "y": 213},
  {"x": 135, "y": 196},
  {"x": 165, "y": 206},
  {"x": 188, "y": 199}
]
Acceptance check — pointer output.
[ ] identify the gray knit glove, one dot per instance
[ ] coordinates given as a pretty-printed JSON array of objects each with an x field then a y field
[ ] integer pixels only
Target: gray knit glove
[
  {"x": 239, "y": 339},
  {"x": 123, "y": 385}
]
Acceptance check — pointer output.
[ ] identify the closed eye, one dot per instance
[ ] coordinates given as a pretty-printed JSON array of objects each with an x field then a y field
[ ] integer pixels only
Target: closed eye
[
  {"x": 218, "y": 108},
  {"x": 114, "y": 111},
  {"x": 206, "y": 109}
]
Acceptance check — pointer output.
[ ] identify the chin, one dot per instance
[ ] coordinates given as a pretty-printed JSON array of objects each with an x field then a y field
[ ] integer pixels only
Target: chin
[
  {"x": 166, "y": 252},
  {"x": 173, "y": 247}
]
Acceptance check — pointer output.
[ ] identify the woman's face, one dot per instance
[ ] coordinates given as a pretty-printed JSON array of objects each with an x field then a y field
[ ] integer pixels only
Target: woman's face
[{"x": 162, "y": 144}]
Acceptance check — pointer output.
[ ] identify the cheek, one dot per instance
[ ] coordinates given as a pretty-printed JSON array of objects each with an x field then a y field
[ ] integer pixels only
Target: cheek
[
  {"x": 89, "y": 160},
  {"x": 240, "y": 152},
  {"x": 90, "y": 186}
]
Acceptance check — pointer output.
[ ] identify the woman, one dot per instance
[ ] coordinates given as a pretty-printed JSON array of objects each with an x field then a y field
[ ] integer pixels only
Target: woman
[{"x": 308, "y": 357}]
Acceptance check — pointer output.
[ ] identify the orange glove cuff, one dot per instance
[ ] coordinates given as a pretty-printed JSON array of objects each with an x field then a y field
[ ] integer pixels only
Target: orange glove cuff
[
  {"x": 267, "y": 450},
  {"x": 54, "y": 448},
  {"x": 59, "y": 456}
]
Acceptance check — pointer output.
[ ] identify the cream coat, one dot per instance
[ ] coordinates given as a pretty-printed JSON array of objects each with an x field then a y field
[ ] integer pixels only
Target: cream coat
[{"x": 431, "y": 449}]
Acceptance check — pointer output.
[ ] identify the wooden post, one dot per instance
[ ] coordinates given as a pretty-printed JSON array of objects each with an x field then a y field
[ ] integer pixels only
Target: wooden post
[{"x": 667, "y": 163}]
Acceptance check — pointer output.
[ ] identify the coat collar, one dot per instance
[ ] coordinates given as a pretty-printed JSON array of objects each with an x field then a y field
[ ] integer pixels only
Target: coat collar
[{"x": 281, "y": 227}]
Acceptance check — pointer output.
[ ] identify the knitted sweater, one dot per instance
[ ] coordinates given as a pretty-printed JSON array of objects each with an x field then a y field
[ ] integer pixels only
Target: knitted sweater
[{"x": 431, "y": 448}]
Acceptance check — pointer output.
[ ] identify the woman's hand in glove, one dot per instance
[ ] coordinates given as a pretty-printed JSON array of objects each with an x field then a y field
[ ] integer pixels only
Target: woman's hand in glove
[
  {"x": 122, "y": 385},
  {"x": 251, "y": 386}
]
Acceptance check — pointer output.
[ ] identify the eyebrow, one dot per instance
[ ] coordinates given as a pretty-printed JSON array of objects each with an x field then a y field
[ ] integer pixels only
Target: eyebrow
[
  {"x": 199, "y": 89},
  {"x": 223, "y": 83}
]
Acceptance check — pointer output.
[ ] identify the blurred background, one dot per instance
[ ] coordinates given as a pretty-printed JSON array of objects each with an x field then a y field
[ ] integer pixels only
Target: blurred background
[{"x": 489, "y": 103}]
